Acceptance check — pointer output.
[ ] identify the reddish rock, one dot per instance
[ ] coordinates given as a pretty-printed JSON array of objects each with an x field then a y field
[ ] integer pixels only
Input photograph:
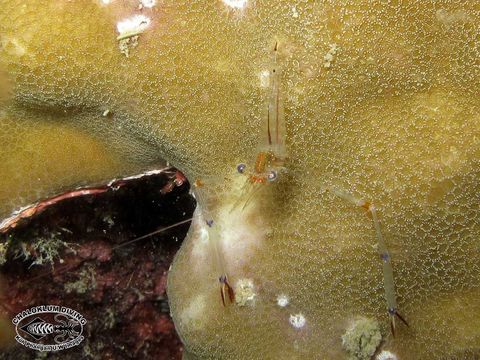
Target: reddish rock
[{"x": 116, "y": 284}]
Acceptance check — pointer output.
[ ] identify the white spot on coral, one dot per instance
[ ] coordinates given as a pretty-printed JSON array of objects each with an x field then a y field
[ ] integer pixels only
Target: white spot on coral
[
  {"x": 193, "y": 313},
  {"x": 330, "y": 56},
  {"x": 106, "y": 2},
  {"x": 294, "y": 12},
  {"x": 204, "y": 235},
  {"x": 264, "y": 77},
  {"x": 148, "y": 3},
  {"x": 134, "y": 25},
  {"x": 201, "y": 249},
  {"x": 236, "y": 4},
  {"x": 244, "y": 292},
  {"x": 129, "y": 31},
  {"x": 298, "y": 321},
  {"x": 282, "y": 300},
  {"x": 386, "y": 355}
]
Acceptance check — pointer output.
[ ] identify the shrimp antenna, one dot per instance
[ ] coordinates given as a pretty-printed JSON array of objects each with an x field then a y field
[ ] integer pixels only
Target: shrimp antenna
[
  {"x": 160, "y": 230},
  {"x": 65, "y": 268},
  {"x": 275, "y": 48},
  {"x": 274, "y": 109}
]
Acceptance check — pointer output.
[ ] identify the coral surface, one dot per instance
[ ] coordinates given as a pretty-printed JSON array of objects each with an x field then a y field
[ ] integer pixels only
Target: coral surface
[{"x": 380, "y": 99}]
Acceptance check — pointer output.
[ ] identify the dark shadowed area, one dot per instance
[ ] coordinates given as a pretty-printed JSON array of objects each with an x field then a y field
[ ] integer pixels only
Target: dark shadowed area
[{"x": 78, "y": 252}]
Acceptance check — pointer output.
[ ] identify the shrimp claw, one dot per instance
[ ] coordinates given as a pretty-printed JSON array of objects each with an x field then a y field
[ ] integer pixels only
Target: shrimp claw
[
  {"x": 226, "y": 291},
  {"x": 394, "y": 313}
]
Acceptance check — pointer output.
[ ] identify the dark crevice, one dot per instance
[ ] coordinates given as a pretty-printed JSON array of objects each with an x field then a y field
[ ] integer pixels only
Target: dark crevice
[{"x": 118, "y": 285}]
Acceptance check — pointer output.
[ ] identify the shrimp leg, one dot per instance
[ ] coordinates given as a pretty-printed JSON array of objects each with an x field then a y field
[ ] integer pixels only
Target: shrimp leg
[
  {"x": 388, "y": 279},
  {"x": 214, "y": 241}
]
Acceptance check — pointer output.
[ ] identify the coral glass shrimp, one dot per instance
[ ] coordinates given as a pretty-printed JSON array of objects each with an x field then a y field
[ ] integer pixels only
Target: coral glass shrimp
[{"x": 270, "y": 161}]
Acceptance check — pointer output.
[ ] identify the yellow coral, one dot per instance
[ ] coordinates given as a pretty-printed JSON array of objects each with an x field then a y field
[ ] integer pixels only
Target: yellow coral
[{"x": 394, "y": 119}]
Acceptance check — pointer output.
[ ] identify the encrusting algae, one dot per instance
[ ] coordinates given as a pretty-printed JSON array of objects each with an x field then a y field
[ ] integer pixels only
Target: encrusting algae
[{"x": 379, "y": 102}]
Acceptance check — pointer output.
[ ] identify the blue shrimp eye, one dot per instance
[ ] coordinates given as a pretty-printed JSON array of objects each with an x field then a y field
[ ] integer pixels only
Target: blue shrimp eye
[
  {"x": 241, "y": 168},
  {"x": 272, "y": 176}
]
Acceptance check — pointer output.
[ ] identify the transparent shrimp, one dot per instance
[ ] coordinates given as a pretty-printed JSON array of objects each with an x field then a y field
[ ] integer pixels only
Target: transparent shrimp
[
  {"x": 268, "y": 163},
  {"x": 271, "y": 154},
  {"x": 388, "y": 279}
]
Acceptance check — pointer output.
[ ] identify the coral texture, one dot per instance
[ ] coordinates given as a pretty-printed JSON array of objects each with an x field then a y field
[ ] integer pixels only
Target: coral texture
[{"x": 380, "y": 99}]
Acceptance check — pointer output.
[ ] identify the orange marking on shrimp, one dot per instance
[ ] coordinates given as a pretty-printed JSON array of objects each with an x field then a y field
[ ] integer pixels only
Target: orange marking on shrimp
[
  {"x": 255, "y": 179},
  {"x": 261, "y": 162},
  {"x": 198, "y": 183}
]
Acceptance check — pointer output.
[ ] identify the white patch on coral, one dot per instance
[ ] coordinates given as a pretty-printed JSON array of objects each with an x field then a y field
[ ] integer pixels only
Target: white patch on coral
[
  {"x": 148, "y": 3},
  {"x": 297, "y": 321},
  {"x": 236, "y": 4},
  {"x": 330, "y": 56},
  {"x": 193, "y": 314},
  {"x": 133, "y": 25},
  {"x": 240, "y": 238},
  {"x": 282, "y": 300},
  {"x": 264, "y": 77},
  {"x": 233, "y": 238},
  {"x": 386, "y": 355},
  {"x": 451, "y": 17},
  {"x": 204, "y": 235},
  {"x": 200, "y": 246},
  {"x": 12, "y": 46},
  {"x": 244, "y": 292},
  {"x": 294, "y": 12},
  {"x": 241, "y": 232}
]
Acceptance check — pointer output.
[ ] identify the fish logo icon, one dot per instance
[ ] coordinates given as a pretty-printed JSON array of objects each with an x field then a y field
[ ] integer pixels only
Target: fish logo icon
[{"x": 49, "y": 328}]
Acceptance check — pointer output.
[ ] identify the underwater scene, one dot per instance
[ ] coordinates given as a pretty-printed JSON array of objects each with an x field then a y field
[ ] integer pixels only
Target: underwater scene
[{"x": 240, "y": 179}]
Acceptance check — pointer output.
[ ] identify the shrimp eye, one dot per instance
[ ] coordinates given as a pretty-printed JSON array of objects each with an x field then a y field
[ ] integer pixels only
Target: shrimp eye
[
  {"x": 272, "y": 176},
  {"x": 241, "y": 168}
]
